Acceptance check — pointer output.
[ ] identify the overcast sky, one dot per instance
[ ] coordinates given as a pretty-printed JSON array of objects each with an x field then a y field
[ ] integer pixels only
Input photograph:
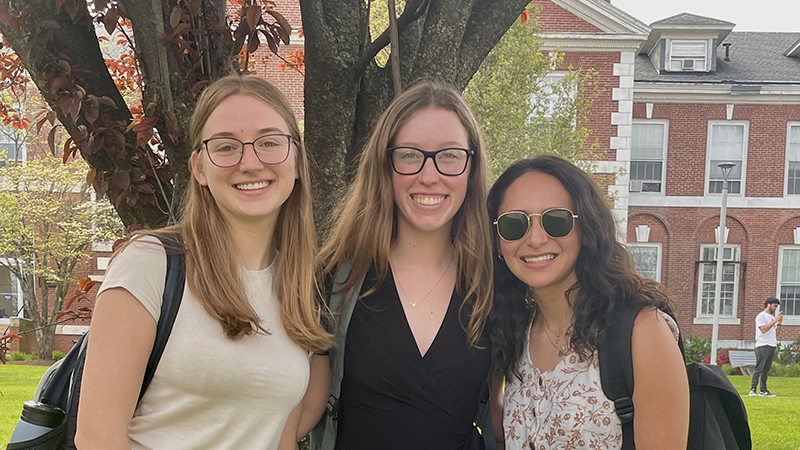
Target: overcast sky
[{"x": 748, "y": 15}]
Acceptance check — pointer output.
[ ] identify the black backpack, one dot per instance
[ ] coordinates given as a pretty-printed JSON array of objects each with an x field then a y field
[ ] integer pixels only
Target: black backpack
[
  {"x": 717, "y": 418},
  {"x": 61, "y": 384}
]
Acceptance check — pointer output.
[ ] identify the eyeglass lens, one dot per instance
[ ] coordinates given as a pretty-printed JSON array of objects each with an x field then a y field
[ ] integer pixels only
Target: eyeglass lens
[
  {"x": 227, "y": 151},
  {"x": 448, "y": 161},
  {"x": 514, "y": 225}
]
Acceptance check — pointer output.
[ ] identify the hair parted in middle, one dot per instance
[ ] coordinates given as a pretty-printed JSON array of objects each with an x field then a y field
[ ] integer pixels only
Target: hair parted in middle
[
  {"x": 365, "y": 222},
  {"x": 607, "y": 278},
  {"x": 212, "y": 270}
]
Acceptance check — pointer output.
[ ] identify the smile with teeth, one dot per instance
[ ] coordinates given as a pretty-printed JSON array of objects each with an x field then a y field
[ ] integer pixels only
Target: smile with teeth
[
  {"x": 252, "y": 186},
  {"x": 428, "y": 200},
  {"x": 538, "y": 259}
]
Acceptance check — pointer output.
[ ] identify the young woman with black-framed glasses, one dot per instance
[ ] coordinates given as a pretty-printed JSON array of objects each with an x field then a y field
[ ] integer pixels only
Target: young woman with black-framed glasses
[
  {"x": 559, "y": 269},
  {"x": 411, "y": 250}
]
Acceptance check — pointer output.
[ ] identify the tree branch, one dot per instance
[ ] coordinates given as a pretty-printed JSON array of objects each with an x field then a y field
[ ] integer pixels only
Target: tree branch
[
  {"x": 487, "y": 24},
  {"x": 414, "y": 10}
]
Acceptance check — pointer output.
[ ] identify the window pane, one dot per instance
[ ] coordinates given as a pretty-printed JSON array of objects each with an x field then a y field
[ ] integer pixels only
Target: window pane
[
  {"x": 708, "y": 279},
  {"x": 790, "y": 300},
  {"x": 794, "y": 143},
  {"x": 790, "y": 270},
  {"x": 8, "y": 293},
  {"x": 688, "y": 49},
  {"x": 647, "y": 141},
  {"x": 645, "y": 259},
  {"x": 793, "y": 178}
]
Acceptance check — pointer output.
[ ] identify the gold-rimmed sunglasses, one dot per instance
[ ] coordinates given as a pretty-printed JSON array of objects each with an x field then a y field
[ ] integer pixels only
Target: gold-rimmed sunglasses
[{"x": 514, "y": 225}]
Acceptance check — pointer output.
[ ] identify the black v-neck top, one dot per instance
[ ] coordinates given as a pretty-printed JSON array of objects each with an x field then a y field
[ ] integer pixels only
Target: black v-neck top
[{"x": 394, "y": 398}]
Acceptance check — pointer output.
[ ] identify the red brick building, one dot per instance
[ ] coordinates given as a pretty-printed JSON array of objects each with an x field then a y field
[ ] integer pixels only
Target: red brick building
[
  {"x": 677, "y": 97},
  {"x": 682, "y": 95}
]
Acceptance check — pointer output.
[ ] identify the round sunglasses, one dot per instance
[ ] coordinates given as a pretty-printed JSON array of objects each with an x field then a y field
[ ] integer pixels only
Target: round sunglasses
[{"x": 514, "y": 225}]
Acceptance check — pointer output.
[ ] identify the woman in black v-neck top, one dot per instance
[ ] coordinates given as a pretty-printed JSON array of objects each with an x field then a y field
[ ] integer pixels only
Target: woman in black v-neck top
[
  {"x": 389, "y": 386},
  {"x": 413, "y": 228}
]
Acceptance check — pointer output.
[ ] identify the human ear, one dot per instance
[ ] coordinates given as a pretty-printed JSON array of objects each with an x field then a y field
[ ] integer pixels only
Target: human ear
[{"x": 197, "y": 169}]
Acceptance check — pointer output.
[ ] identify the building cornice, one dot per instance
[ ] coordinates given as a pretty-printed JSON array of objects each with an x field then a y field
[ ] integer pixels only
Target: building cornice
[
  {"x": 605, "y": 16},
  {"x": 591, "y": 42},
  {"x": 713, "y": 93}
]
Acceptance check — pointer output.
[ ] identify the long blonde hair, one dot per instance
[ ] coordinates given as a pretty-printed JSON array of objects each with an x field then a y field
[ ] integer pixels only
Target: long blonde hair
[
  {"x": 365, "y": 222},
  {"x": 212, "y": 270}
]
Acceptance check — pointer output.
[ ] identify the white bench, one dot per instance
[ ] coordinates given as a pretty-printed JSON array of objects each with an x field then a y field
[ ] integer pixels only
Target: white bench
[{"x": 745, "y": 359}]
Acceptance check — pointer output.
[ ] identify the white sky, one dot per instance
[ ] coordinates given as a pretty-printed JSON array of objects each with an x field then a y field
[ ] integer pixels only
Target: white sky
[{"x": 748, "y": 15}]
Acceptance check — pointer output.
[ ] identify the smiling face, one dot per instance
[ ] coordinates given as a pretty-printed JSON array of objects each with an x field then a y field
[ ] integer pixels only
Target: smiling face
[
  {"x": 545, "y": 264},
  {"x": 428, "y": 201},
  {"x": 250, "y": 192}
]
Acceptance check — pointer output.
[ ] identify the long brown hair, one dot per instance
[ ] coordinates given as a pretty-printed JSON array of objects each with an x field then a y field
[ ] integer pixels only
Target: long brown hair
[
  {"x": 212, "y": 270},
  {"x": 607, "y": 278},
  {"x": 369, "y": 205}
]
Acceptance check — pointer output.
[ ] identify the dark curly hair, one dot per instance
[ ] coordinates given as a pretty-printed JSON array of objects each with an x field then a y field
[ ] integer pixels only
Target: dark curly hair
[{"x": 607, "y": 279}]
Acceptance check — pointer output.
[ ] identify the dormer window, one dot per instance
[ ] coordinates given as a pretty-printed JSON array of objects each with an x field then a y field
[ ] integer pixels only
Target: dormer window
[{"x": 688, "y": 56}]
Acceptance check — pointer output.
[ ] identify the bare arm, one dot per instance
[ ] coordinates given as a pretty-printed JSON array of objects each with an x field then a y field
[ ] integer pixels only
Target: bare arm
[
  {"x": 310, "y": 409},
  {"x": 661, "y": 390},
  {"x": 317, "y": 394},
  {"x": 122, "y": 337},
  {"x": 496, "y": 405},
  {"x": 775, "y": 322}
]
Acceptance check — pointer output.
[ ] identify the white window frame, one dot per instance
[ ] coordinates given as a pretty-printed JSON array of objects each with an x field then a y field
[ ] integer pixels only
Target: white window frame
[
  {"x": 665, "y": 124},
  {"x": 793, "y": 319},
  {"x": 658, "y": 247},
  {"x": 745, "y": 141},
  {"x": 705, "y": 59},
  {"x": 546, "y": 92},
  {"x": 22, "y": 154},
  {"x": 789, "y": 127},
  {"x": 20, "y": 299},
  {"x": 701, "y": 318}
]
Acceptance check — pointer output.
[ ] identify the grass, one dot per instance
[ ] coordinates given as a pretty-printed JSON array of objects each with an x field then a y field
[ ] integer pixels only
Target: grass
[
  {"x": 773, "y": 421},
  {"x": 17, "y": 384}
]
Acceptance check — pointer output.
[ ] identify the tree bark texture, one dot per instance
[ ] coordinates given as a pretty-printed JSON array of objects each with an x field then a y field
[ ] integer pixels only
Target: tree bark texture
[{"x": 346, "y": 91}]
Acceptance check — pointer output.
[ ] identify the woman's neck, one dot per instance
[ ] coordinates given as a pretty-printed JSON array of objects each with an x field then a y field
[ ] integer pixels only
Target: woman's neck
[
  {"x": 554, "y": 312},
  {"x": 253, "y": 244},
  {"x": 424, "y": 249}
]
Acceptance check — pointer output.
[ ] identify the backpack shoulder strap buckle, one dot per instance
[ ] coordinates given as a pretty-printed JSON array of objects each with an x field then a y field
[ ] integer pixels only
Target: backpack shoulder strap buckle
[{"x": 624, "y": 408}]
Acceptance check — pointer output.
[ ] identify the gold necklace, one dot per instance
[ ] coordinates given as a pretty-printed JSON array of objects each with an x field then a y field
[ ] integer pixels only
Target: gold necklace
[
  {"x": 415, "y": 304},
  {"x": 561, "y": 350}
]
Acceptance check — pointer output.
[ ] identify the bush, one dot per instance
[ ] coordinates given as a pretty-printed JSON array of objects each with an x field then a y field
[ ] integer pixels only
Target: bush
[
  {"x": 793, "y": 370},
  {"x": 727, "y": 369},
  {"x": 696, "y": 349},
  {"x": 784, "y": 354},
  {"x": 19, "y": 356},
  {"x": 58, "y": 355}
]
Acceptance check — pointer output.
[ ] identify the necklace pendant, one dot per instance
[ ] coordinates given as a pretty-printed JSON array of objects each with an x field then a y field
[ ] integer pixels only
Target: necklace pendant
[
  {"x": 562, "y": 351},
  {"x": 413, "y": 304}
]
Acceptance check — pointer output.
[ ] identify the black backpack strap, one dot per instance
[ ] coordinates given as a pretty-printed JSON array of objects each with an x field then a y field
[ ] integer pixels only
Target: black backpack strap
[
  {"x": 171, "y": 302},
  {"x": 616, "y": 369}
]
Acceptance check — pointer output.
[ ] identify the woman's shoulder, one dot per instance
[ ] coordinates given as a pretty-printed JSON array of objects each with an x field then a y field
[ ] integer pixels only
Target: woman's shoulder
[{"x": 652, "y": 319}]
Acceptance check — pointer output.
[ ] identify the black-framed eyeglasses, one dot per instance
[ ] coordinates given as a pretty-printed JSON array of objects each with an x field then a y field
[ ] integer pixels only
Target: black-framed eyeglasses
[
  {"x": 228, "y": 151},
  {"x": 448, "y": 161},
  {"x": 514, "y": 225}
]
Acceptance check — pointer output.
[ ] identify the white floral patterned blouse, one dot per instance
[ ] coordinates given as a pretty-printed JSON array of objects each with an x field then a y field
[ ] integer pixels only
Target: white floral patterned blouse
[{"x": 563, "y": 408}]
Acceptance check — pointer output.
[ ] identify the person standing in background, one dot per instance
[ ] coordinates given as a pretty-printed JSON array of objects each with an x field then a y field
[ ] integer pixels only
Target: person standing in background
[{"x": 767, "y": 324}]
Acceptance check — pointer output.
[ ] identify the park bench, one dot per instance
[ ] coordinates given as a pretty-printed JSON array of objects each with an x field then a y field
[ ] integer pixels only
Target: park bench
[{"x": 746, "y": 359}]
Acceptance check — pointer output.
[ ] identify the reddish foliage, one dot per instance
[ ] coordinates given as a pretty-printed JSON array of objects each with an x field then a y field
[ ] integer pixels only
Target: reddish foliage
[{"x": 294, "y": 60}]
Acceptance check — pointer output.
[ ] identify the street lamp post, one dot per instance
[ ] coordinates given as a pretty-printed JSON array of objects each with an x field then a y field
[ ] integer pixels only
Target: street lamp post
[{"x": 726, "y": 168}]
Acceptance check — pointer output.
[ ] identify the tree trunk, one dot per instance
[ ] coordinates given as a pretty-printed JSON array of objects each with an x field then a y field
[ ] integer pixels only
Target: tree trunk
[{"x": 44, "y": 340}]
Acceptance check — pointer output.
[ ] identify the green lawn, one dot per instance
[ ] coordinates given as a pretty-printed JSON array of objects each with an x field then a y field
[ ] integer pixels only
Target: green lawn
[
  {"x": 773, "y": 421},
  {"x": 17, "y": 384}
]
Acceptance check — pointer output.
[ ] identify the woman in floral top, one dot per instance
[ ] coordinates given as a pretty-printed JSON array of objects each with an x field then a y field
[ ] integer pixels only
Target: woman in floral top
[{"x": 559, "y": 270}]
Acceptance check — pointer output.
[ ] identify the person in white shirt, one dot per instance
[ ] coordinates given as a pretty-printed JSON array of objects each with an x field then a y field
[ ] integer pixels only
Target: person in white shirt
[
  {"x": 767, "y": 324},
  {"x": 244, "y": 367}
]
